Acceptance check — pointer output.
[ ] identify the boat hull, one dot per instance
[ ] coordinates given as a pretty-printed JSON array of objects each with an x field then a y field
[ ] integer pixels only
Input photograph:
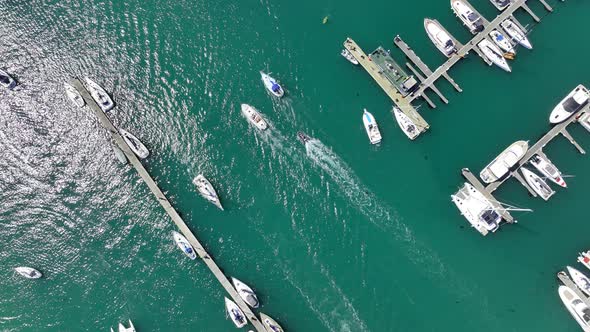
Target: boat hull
[
  {"x": 6, "y": 80},
  {"x": 580, "y": 279},
  {"x": 405, "y": 124},
  {"x": 492, "y": 52},
  {"x": 570, "y": 105},
  {"x": 134, "y": 144},
  {"x": 28, "y": 272},
  {"x": 184, "y": 245},
  {"x": 270, "y": 324},
  {"x": 443, "y": 41},
  {"x": 548, "y": 169},
  {"x": 100, "y": 96},
  {"x": 207, "y": 190},
  {"x": 502, "y": 164},
  {"x": 254, "y": 117},
  {"x": 467, "y": 15},
  {"x": 235, "y": 313},
  {"x": 272, "y": 85},
  {"x": 516, "y": 33},
  {"x": 537, "y": 184},
  {"x": 502, "y": 42},
  {"x": 568, "y": 296},
  {"x": 246, "y": 293}
]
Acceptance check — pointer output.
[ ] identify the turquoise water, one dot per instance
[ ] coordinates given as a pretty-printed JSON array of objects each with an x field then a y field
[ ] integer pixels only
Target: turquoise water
[{"x": 335, "y": 236}]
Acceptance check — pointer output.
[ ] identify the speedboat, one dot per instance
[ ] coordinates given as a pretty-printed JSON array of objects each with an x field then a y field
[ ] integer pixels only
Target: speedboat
[
  {"x": 539, "y": 185},
  {"x": 493, "y": 53},
  {"x": 272, "y": 85},
  {"x": 246, "y": 293},
  {"x": 74, "y": 95},
  {"x": 371, "y": 127},
  {"x": 28, "y": 272},
  {"x": 404, "y": 122},
  {"x": 584, "y": 120},
  {"x": 516, "y": 33},
  {"x": 99, "y": 95},
  {"x": 501, "y": 4},
  {"x": 580, "y": 279},
  {"x": 571, "y": 104},
  {"x": 439, "y": 37},
  {"x": 134, "y": 144},
  {"x": 184, "y": 245},
  {"x": 477, "y": 209},
  {"x": 502, "y": 42},
  {"x": 501, "y": 165},
  {"x": 270, "y": 324},
  {"x": 254, "y": 117},
  {"x": 348, "y": 56},
  {"x": 548, "y": 169},
  {"x": 206, "y": 190},
  {"x": 131, "y": 328},
  {"x": 6, "y": 80},
  {"x": 584, "y": 258},
  {"x": 119, "y": 153},
  {"x": 235, "y": 313},
  {"x": 575, "y": 306},
  {"x": 302, "y": 137},
  {"x": 469, "y": 17}
]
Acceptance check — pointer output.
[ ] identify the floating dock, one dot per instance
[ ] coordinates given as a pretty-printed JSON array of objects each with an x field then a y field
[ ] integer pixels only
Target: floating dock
[{"x": 143, "y": 173}]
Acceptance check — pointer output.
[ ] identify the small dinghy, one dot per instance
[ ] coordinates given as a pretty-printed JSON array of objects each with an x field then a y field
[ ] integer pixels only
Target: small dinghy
[
  {"x": 584, "y": 258},
  {"x": 302, "y": 137},
  {"x": 407, "y": 126},
  {"x": 493, "y": 53},
  {"x": 580, "y": 279},
  {"x": 348, "y": 56},
  {"x": 538, "y": 185},
  {"x": 548, "y": 169},
  {"x": 134, "y": 144},
  {"x": 74, "y": 95},
  {"x": 99, "y": 95},
  {"x": 184, "y": 245},
  {"x": 254, "y": 117},
  {"x": 246, "y": 293},
  {"x": 119, "y": 153},
  {"x": 206, "y": 190},
  {"x": 235, "y": 313},
  {"x": 272, "y": 85},
  {"x": 270, "y": 324},
  {"x": 516, "y": 33},
  {"x": 122, "y": 328},
  {"x": 28, "y": 272},
  {"x": 371, "y": 127},
  {"x": 6, "y": 80},
  {"x": 502, "y": 42}
]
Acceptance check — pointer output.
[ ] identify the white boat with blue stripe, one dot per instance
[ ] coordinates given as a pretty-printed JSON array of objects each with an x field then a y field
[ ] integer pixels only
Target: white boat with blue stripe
[
  {"x": 371, "y": 127},
  {"x": 184, "y": 245},
  {"x": 272, "y": 85}
]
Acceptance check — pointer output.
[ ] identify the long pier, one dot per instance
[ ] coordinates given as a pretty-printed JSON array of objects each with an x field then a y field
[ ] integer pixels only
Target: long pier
[{"x": 143, "y": 173}]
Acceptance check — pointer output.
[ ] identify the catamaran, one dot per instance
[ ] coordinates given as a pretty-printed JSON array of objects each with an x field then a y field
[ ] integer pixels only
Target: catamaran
[
  {"x": 74, "y": 95},
  {"x": 406, "y": 124},
  {"x": 576, "y": 307},
  {"x": 469, "y": 17},
  {"x": 371, "y": 127},
  {"x": 501, "y": 165},
  {"x": 493, "y": 53},
  {"x": 569, "y": 105},
  {"x": 502, "y": 42},
  {"x": 538, "y": 184},
  {"x": 272, "y": 85},
  {"x": 348, "y": 56},
  {"x": 6, "y": 80},
  {"x": 28, "y": 272},
  {"x": 477, "y": 209},
  {"x": 580, "y": 279},
  {"x": 439, "y": 37},
  {"x": 501, "y": 4},
  {"x": 207, "y": 190},
  {"x": 235, "y": 313},
  {"x": 134, "y": 144},
  {"x": 254, "y": 117},
  {"x": 99, "y": 95},
  {"x": 270, "y": 324},
  {"x": 184, "y": 245},
  {"x": 246, "y": 293},
  {"x": 544, "y": 166},
  {"x": 516, "y": 33}
]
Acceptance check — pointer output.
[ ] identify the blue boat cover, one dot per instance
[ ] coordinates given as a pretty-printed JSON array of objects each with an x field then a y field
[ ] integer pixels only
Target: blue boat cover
[{"x": 275, "y": 87}]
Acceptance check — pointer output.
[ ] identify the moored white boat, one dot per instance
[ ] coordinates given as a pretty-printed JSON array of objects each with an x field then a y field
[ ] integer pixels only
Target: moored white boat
[
  {"x": 501, "y": 4},
  {"x": 550, "y": 171},
  {"x": 576, "y": 307},
  {"x": 184, "y": 245},
  {"x": 439, "y": 37},
  {"x": 584, "y": 259},
  {"x": 568, "y": 106},
  {"x": 28, "y": 272},
  {"x": 501, "y": 165},
  {"x": 502, "y": 42},
  {"x": 235, "y": 313},
  {"x": 584, "y": 120},
  {"x": 131, "y": 328},
  {"x": 371, "y": 127},
  {"x": 516, "y": 33},
  {"x": 272, "y": 85},
  {"x": 254, "y": 117},
  {"x": 6, "y": 80},
  {"x": 470, "y": 18},
  {"x": 246, "y": 293},
  {"x": 494, "y": 53},
  {"x": 477, "y": 209},
  {"x": 406, "y": 124},
  {"x": 580, "y": 279},
  {"x": 348, "y": 56},
  {"x": 270, "y": 324},
  {"x": 74, "y": 95},
  {"x": 537, "y": 184},
  {"x": 134, "y": 144},
  {"x": 207, "y": 190},
  {"x": 99, "y": 95}
]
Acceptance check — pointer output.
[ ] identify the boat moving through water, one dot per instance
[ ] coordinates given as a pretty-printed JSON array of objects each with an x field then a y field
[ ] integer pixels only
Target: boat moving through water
[
  {"x": 246, "y": 293},
  {"x": 516, "y": 33},
  {"x": 270, "y": 324},
  {"x": 576, "y": 307},
  {"x": 272, "y": 85},
  {"x": 28, "y": 272},
  {"x": 406, "y": 124},
  {"x": 539, "y": 185},
  {"x": 302, "y": 137},
  {"x": 439, "y": 37},
  {"x": 544, "y": 166},
  {"x": 371, "y": 127},
  {"x": 235, "y": 313},
  {"x": 184, "y": 245},
  {"x": 470, "y": 18},
  {"x": 580, "y": 279},
  {"x": 501, "y": 165},
  {"x": 254, "y": 117},
  {"x": 134, "y": 144},
  {"x": 493, "y": 53},
  {"x": 207, "y": 190},
  {"x": 348, "y": 56},
  {"x": 74, "y": 95},
  {"x": 99, "y": 95},
  {"x": 6, "y": 80},
  {"x": 569, "y": 105}
]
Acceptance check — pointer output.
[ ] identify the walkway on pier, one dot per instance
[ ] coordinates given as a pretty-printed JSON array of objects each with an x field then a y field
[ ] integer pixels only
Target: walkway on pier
[{"x": 207, "y": 259}]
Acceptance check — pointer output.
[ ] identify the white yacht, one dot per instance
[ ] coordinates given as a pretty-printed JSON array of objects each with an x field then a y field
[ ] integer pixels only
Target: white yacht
[
  {"x": 74, "y": 95},
  {"x": 348, "y": 56},
  {"x": 406, "y": 124},
  {"x": 207, "y": 190},
  {"x": 576, "y": 307},
  {"x": 546, "y": 168},
  {"x": 254, "y": 117},
  {"x": 28, "y": 272},
  {"x": 504, "y": 43},
  {"x": 184, "y": 245},
  {"x": 501, "y": 4},
  {"x": 6, "y": 80},
  {"x": 235, "y": 313},
  {"x": 270, "y": 324},
  {"x": 584, "y": 258},
  {"x": 131, "y": 328},
  {"x": 469, "y": 17},
  {"x": 580, "y": 279},
  {"x": 99, "y": 95},
  {"x": 516, "y": 33},
  {"x": 539, "y": 185},
  {"x": 439, "y": 37},
  {"x": 501, "y": 165},
  {"x": 494, "y": 53},
  {"x": 134, "y": 144},
  {"x": 477, "y": 209},
  {"x": 246, "y": 293},
  {"x": 584, "y": 120},
  {"x": 569, "y": 105},
  {"x": 371, "y": 127},
  {"x": 272, "y": 85}
]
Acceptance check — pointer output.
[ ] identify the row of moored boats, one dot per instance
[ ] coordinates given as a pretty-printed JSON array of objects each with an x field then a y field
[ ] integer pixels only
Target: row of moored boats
[{"x": 574, "y": 303}]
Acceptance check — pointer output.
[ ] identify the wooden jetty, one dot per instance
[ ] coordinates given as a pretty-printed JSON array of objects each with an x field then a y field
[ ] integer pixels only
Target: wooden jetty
[
  {"x": 565, "y": 279},
  {"x": 143, "y": 173}
]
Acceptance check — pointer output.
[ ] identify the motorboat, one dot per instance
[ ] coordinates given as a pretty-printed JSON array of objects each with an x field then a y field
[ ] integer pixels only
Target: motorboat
[
  {"x": 74, "y": 95},
  {"x": 494, "y": 53},
  {"x": 584, "y": 120},
  {"x": 501, "y": 4},
  {"x": 254, "y": 117},
  {"x": 246, "y": 293},
  {"x": 99, "y": 95},
  {"x": 477, "y": 209},
  {"x": 6, "y": 80},
  {"x": 270, "y": 324},
  {"x": 546, "y": 168},
  {"x": 569, "y": 105},
  {"x": 580, "y": 279},
  {"x": 575, "y": 306},
  {"x": 439, "y": 37},
  {"x": 207, "y": 190},
  {"x": 584, "y": 258},
  {"x": 28, "y": 272},
  {"x": 406, "y": 124},
  {"x": 371, "y": 127},
  {"x": 502, "y": 42},
  {"x": 348, "y": 56},
  {"x": 516, "y": 33},
  {"x": 184, "y": 245},
  {"x": 119, "y": 153},
  {"x": 272, "y": 85},
  {"x": 539, "y": 185},
  {"x": 469, "y": 17},
  {"x": 501, "y": 165},
  {"x": 235, "y": 313},
  {"x": 131, "y": 328},
  {"x": 134, "y": 144},
  {"x": 302, "y": 137}
]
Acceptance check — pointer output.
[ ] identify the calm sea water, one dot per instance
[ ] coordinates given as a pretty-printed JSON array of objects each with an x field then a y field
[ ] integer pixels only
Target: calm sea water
[{"x": 335, "y": 236}]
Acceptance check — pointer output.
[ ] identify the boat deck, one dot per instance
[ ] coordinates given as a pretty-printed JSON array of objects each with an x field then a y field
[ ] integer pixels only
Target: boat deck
[{"x": 565, "y": 279}]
